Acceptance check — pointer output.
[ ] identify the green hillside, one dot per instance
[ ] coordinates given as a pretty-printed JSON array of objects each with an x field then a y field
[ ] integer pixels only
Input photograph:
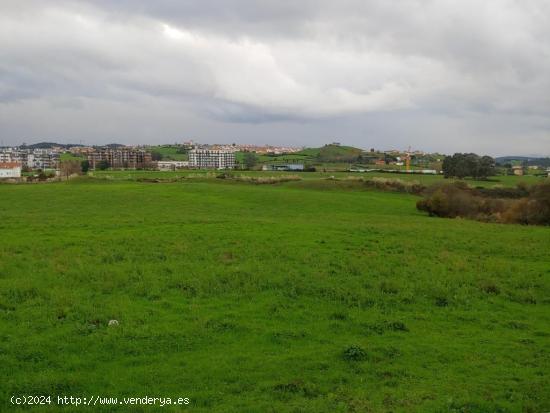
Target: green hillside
[
  {"x": 169, "y": 152},
  {"x": 334, "y": 153},
  {"x": 328, "y": 154}
]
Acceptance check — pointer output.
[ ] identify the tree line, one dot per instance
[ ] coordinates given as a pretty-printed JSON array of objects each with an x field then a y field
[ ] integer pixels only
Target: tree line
[{"x": 462, "y": 165}]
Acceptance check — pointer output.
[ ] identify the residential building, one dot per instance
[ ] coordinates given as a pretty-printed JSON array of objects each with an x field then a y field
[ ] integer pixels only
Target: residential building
[
  {"x": 41, "y": 159},
  {"x": 10, "y": 170},
  {"x": 211, "y": 159},
  {"x": 31, "y": 158},
  {"x": 518, "y": 170},
  {"x": 120, "y": 158},
  {"x": 5, "y": 157},
  {"x": 172, "y": 165}
]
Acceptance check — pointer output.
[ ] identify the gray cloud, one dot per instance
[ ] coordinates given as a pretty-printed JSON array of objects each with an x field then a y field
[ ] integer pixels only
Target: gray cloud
[{"x": 437, "y": 75}]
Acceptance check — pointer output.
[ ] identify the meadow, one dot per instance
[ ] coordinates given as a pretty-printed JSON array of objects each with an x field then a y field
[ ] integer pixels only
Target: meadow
[
  {"x": 133, "y": 175},
  {"x": 296, "y": 297}
]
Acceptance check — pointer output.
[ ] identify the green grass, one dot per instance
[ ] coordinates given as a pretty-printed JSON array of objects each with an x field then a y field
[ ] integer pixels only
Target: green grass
[
  {"x": 424, "y": 179},
  {"x": 66, "y": 156},
  {"x": 268, "y": 298},
  {"x": 169, "y": 153}
]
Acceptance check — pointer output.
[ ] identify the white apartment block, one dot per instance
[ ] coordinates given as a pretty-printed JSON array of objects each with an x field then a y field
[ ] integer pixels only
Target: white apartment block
[
  {"x": 211, "y": 159},
  {"x": 172, "y": 165}
]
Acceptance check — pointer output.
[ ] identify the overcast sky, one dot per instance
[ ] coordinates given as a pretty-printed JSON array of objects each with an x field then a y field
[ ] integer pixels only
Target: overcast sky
[{"x": 436, "y": 75}]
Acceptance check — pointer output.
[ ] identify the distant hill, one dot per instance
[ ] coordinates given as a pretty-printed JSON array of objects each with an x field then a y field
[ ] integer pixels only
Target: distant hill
[
  {"x": 332, "y": 153},
  {"x": 336, "y": 153},
  {"x": 530, "y": 161},
  {"x": 49, "y": 145}
]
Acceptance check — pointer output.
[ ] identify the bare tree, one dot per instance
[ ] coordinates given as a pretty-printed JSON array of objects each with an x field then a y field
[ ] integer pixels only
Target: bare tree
[{"x": 70, "y": 167}]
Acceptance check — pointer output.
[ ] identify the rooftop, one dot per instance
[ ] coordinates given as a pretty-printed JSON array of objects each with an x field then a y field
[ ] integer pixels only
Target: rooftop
[{"x": 9, "y": 165}]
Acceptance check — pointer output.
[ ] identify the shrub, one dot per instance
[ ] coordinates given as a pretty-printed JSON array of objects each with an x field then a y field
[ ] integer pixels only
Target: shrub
[
  {"x": 397, "y": 326},
  {"x": 383, "y": 326},
  {"x": 338, "y": 316},
  {"x": 458, "y": 200},
  {"x": 224, "y": 175},
  {"x": 354, "y": 353},
  {"x": 388, "y": 287},
  {"x": 489, "y": 287},
  {"x": 498, "y": 191},
  {"x": 441, "y": 301},
  {"x": 267, "y": 179},
  {"x": 397, "y": 185},
  {"x": 533, "y": 210},
  {"x": 451, "y": 201}
]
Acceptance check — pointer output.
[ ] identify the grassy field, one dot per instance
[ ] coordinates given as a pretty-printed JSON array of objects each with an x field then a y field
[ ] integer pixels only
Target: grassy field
[
  {"x": 267, "y": 298},
  {"x": 70, "y": 157},
  {"x": 424, "y": 179},
  {"x": 169, "y": 153}
]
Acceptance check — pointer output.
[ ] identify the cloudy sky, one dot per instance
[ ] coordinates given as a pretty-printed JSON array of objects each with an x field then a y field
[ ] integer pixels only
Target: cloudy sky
[{"x": 437, "y": 75}]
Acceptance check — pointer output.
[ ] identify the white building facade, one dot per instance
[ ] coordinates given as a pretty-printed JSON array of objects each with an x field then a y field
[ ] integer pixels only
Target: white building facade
[
  {"x": 172, "y": 165},
  {"x": 10, "y": 170},
  {"x": 211, "y": 159}
]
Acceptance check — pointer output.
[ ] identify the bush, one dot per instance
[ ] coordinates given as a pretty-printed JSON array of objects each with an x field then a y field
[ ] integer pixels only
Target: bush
[
  {"x": 267, "y": 179},
  {"x": 225, "y": 175},
  {"x": 382, "y": 326},
  {"x": 441, "y": 301},
  {"x": 458, "y": 200},
  {"x": 387, "y": 287},
  {"x": 534, "y": 210},
  {"x": 490, "y": 287},
  {"x": 398, "y": 185},
  {"x": 354, "y": 353},
  {"x": 498, "y": 191}
]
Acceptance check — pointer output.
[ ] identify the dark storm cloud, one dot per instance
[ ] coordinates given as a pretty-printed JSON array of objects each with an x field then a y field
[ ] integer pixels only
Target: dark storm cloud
[{"x": 440, "y": 75}]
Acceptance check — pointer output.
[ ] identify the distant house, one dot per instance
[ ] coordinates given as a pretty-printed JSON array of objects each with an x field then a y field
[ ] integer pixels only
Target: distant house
[
  {"x": 284, "y": 167},
  {"x": 518, "y": 170},
  {"x": 10, "y": 170},
  {"x": 172, "y": 165}
]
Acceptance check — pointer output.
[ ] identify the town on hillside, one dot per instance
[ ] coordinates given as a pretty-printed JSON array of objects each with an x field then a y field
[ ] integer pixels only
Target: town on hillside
[{"x": 50, "y": 161}]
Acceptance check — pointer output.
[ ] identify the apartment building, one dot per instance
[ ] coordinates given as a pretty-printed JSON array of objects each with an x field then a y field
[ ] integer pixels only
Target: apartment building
[
  {"x": 211, "y": 159},
  {"x": 31, "y": 158},
  {"x": 120, "y": 158}
]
